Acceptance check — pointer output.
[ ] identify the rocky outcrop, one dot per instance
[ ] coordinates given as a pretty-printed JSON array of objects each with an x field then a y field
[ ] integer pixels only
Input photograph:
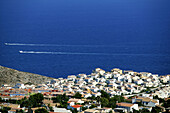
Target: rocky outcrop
[{"x": 12, "y": 76}]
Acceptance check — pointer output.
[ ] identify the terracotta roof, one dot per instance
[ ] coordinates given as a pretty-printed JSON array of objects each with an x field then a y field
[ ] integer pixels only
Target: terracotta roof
[
  {"x": 146, "y": 99},
  {"x": 125, "y": 104},
  {"x": 76, "y": 106},
  {"x": 90, "y": 110},
  {"x": 74, "y": 100},
  {"x": 11, "y": 105},
  {"x": 36, "y": 108},
  {"x": 13, "y": 110},
  {"x": 45, "y": 101},
  {"x": 154, "y": 101}
]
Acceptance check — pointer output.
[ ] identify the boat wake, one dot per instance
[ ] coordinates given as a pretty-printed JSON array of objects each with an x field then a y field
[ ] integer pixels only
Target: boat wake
[
  {"x": 60, "y": 53},
  {"x": 78, "y": 53},
  {"x": 22, "y": 44}
]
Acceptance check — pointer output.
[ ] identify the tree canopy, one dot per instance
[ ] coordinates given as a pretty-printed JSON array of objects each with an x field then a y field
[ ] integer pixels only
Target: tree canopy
[
  {"x": 62, "y": 99},
  {"x": 33, "y": 101},
  {"x": 41, "y": 110},
  {"x": 78, "y": 95},
  {"x": 107, "y": 101}
]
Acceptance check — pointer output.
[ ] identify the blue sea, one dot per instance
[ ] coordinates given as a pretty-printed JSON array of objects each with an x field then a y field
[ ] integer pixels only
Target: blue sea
[{"x": 58, "y": 38}]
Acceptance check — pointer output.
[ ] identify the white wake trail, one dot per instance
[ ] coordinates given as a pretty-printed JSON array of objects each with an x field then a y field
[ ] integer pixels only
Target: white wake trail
[
  {"x": 22, "y": 44},
  {"x": 60, "y": 53},
  {"x": 78, "y": 53}
]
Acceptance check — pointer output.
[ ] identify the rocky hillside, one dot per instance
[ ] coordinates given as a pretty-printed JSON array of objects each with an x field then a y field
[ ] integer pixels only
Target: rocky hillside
[{"x": 11, "y": 76}]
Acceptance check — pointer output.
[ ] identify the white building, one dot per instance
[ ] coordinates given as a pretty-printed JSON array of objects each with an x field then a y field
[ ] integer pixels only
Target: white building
[{"x": 128, "y": 106}]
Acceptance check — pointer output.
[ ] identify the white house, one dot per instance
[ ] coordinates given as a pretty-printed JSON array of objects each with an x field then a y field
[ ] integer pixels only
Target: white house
[
  {"x": 100, "y": 71},
  {"x": 78, "y": 107},
  {"x": 128, "y": 106},
  {"x": 61, "y": 110},
  {"x": 71, "y": 77},
  {"x": 95, "y": 89},
  {"x": 81, "y": 75},
  {"x": 96, "y": 94},
  {"x": 146, "y": 101},
  {"x": 91, "y": 111},
  {"x": 108, "y": 75},
  {"x": 86, "y": 95},
  {"x": 76, "y": 100}
]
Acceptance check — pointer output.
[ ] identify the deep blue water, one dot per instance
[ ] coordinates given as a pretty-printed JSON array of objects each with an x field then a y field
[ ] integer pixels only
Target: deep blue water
[{"x": 63, "y": 37}]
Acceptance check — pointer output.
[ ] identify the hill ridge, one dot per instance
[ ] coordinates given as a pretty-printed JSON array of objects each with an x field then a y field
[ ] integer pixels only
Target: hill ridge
[{"x": 12, "y": 76}]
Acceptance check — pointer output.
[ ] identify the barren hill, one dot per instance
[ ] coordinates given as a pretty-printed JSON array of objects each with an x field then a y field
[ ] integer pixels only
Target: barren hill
[{"x": 12, "y": 76}]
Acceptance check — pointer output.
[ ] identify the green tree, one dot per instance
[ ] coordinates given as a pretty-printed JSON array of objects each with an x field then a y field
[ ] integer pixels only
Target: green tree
[
  {"x": 92, "y": 97},
  {"x": 97, "y": 98},
  {"x": 104, "y": 94},
  {"x": 5, "y": 109},
  {"x": 110, "y": 111},
  {"x": 166, "y": 104},
  {"x": 51, "y": 108},
  {"x": 104, "y": 102},
  {"x": 113, "y": 100},
  {"x": 92, "y": 106},
  {"x": 41, "y": 110},
  {"x": 78, "y": 95},
  {"x": 74, "y": 110},
  {"x": 1, "y": 100},
  {"x": 25, "y": 103},
  {"x": 62, "y": 99},
  {"x": 84, "y": 108},
  {"x": 156, "y": 110},
  {"x": 38, "y": 97},
  {"x": 144, "y": 111},
  {"x": 33, "y": 101},
  {"x": 36, "y": 100},
  {"x": 19, "y": 111}
]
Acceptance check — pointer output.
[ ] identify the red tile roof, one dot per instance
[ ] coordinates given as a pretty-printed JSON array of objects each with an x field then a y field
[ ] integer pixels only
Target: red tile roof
[
  {"x": 125, "y": 104},
  {"x": 76, "y": 106}
]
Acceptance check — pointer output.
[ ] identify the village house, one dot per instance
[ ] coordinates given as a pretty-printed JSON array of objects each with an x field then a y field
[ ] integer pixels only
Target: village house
[
  {"x": 130, "y": 72},
  {"x": 108, "y": 75},
  {"x": 71, "y": 78},
  {"x": 91, "y": 111},
  {"x": 86, "y": 95},
  {"x": 82, "y": 76},
  {"x": 117, "y": 70},
  {"x": 146, "y": 101},
  {"x": 96, "y": 94},
  {"x": 95, "y": 75},
  {"x": 100, "y": 71},
  {"x": 60, "y": 110},
  {"x": 88, "y": 79},
  {"x": 75, "y": 101},
  {"x": 145, "y": 74},
  {"x": 77, "y": 107},
  {"x": 128, "y": 106},
  {"x": 104, "y": 110}
]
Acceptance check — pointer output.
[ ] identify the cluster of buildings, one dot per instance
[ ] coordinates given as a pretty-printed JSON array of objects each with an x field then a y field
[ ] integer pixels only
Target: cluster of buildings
[{"x": 142, "y": 86}]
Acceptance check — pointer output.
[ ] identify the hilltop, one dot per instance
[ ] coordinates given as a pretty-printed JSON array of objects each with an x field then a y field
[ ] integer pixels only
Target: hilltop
[{"x": 12, "y": 76}]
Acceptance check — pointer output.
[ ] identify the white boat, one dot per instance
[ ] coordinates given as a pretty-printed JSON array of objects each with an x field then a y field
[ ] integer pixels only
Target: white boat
[{"x": 21, "y": 51}]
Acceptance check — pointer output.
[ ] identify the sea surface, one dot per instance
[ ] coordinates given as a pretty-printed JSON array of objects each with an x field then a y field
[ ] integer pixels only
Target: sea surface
[{"x": 57, "y": 38}]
